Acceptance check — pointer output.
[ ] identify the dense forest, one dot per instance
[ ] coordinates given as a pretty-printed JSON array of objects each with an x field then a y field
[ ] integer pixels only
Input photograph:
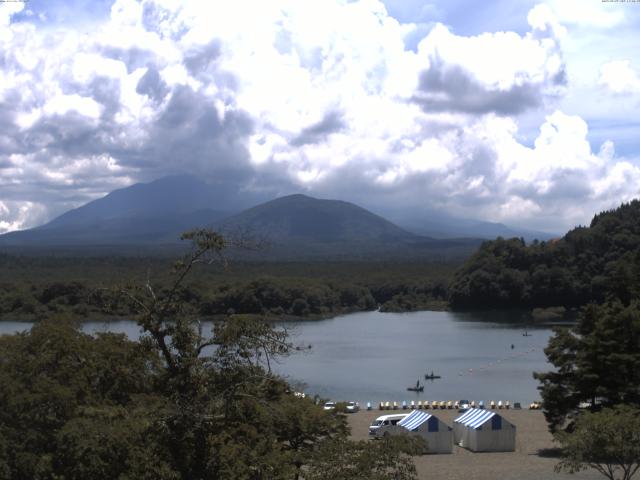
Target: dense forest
[
  {"x": 34, "y": 287},
  {"x": 589, "y": 264},
  {"x": 170, "y": 407},
  {"x": 591, "y": 396}
]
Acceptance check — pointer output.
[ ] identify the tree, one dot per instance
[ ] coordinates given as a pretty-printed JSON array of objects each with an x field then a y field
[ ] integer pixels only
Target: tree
[
  {"x": 386, "y": 459},
  {"x": 74, "y": 405},
  {"x": 179, "y": 404},
  {"x": 230, "y": 415},
  {"x": 221, "y": 418},
  {"x": 596, "y": 263},
  {"x": 597, "y": 363},
  {"x": 607, "y": 441}
]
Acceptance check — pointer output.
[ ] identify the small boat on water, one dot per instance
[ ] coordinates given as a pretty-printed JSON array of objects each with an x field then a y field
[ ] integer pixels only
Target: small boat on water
[
  {"x": 431, "y": 376},
  {"x": 417, "y": 388},
  {"x": 526, "y": 334}
]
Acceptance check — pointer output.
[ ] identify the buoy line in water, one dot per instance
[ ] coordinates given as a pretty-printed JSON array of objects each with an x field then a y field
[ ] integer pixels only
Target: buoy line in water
[{"x": 529, "y": 350}]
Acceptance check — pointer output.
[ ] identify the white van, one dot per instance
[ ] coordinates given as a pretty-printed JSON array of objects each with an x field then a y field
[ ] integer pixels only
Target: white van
[{"x": 384, "y": 421}]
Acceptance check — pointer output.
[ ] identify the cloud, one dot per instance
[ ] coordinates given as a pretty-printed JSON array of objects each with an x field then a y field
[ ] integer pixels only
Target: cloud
[
  {"x": 503, "y": 72},
  {"x": 332, "y": 122},
  {"x": 443, "y": 88},
  {"x": 15, "y": 214},
  {"x": 598, "y": 14},
  {"x": 481, "y": 170},
  {"x": 7, "y": 10},
  {"x": 152, "y": 85},
  {"x": 619, "y": 77},
  {"x": 334, "y": 98},
  {"x": 86, "y": 114}
]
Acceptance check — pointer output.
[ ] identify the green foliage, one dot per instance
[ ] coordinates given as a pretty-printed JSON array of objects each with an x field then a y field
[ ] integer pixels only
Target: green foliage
[
  {"x": 179, "y": 404},
  {"x": 597, "y": 362},
  {"x": 607, "y": 441},
  {"x": 589, "y": 264},
  {"x": 36, "y": 287},
  {"x": 56, "y": 382},
  {"x": 110, "y": 442},
  {"x": 295, "y": 298},
  {"x": 386, "y": 459}
]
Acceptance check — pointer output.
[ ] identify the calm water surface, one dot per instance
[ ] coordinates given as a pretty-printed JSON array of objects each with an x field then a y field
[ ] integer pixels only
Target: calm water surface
[{"x": 373, "y": 356}]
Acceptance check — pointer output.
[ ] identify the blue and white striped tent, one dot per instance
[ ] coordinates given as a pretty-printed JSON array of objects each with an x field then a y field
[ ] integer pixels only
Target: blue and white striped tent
[
  {"x": 439, "y": 435},
  {"x": 475, "y": 417},
  {"x": 484, "y": 431},
  {"x": 415, "y": 419}
]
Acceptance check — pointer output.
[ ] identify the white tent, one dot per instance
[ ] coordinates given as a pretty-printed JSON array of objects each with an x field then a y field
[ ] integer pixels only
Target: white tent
[
  {"x": 484, "y": 431},
  {"x": 439, "y": 435}
]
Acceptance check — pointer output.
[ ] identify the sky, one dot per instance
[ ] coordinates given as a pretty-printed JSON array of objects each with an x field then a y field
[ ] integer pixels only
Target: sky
[{"x": 521, "y": 112}]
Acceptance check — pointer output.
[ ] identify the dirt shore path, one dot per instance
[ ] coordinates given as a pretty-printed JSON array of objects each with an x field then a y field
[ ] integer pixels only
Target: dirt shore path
[{"x": 528, "y": 462}]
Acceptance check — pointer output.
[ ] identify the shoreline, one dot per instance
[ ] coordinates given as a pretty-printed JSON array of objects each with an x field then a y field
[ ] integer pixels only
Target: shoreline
[{"x": 533, "y": 458}]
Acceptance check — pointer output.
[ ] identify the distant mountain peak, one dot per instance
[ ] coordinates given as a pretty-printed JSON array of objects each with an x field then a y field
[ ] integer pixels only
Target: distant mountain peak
[
  {"x": 294, "y": 196},
  {"x": 296, "y": 226},
  {"x": 153, "y": 212},
  {"x": 301, "y": 218}
]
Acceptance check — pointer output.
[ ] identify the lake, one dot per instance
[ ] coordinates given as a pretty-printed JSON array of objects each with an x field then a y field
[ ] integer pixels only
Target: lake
[{"x": 374, "y": 356}]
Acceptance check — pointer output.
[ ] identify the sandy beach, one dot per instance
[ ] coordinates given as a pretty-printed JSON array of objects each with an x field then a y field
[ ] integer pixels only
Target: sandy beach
[{"x": 528, "y": 462}]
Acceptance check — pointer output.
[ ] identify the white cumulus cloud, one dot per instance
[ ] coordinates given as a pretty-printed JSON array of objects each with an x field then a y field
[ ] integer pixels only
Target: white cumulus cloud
[
  {"x": 322, "y": 96},
  {"x": 619, "y": 77}
]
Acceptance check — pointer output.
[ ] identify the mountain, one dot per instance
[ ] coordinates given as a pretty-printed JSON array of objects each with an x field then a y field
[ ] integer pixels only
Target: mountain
[
  {"x": 152, "y": 216},
  {"x": 144, "y": 213},
  {"x": 298, "y": 226},
  {"x": 169, "y": 196},
  {"x": 438, "y": 225},
  {"x": 299, "y": 218}
]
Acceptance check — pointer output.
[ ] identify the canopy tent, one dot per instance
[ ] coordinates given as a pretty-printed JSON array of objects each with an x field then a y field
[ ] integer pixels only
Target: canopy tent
[
  {"x": 484, "y": 431},
  {"x": 439, "y": 435}
]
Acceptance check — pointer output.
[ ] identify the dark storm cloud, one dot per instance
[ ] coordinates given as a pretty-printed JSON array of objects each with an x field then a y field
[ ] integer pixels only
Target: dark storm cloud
[
  {"x": 105, "y": 91},
  {"x": 450, "y": 88},
  {"x": 332, "y": 122},
  {"x": 193, "y": 134},
  {"x": 152, "y": 85},
  {"x": 186, "y": 134},
  {"x": 70, "y": 135}
]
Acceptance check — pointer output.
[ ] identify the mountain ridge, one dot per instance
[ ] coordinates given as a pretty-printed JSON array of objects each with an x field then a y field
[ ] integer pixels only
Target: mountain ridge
[
  {"x": 296, "y": 225},
  {"x": 310, "y": 219}
]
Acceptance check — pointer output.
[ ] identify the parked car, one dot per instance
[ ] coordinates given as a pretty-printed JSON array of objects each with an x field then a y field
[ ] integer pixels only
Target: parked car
[
  {"x": 329, "y": 406},
  {"x": 463, "y": 405},
  {"x": 352, "y": 407},
  {"x": 384, "y": 421}
]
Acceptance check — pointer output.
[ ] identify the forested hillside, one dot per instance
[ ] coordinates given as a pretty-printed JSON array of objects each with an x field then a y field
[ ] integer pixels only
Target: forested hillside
[
  {"x": 589, "y": 264},
  {"x": 32, "y": 288}
]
